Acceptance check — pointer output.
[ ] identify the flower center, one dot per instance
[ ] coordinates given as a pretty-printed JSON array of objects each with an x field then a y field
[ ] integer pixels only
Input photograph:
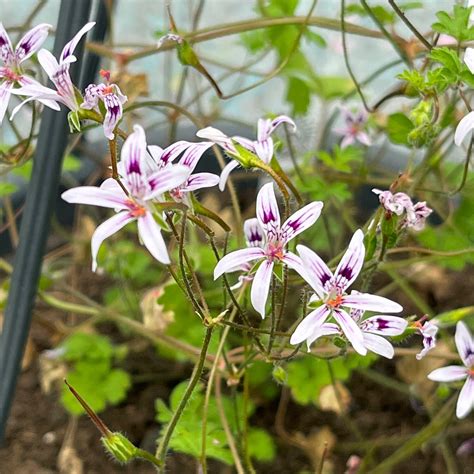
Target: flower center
[
  {"x": 275, "y": 251},
  {"x": 176, "y": 194},
  {"x": 470, "y": 372},
  {"x": 108, "y": 90},
  {"x": 136, "y": 210},
  {"x": 334, "y": 301},
  {"x": 10, "y": 75}
]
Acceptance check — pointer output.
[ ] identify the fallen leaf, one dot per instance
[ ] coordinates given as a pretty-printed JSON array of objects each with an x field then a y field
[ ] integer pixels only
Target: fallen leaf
[
  {"x": 154, "y": 316},
  {"x": 335, "y": 398}
]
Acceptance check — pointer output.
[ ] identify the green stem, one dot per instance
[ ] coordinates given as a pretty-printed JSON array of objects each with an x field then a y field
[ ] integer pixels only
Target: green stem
[
  {"x": 163, "y": 446},
  {"x": 141, "y": 453}
]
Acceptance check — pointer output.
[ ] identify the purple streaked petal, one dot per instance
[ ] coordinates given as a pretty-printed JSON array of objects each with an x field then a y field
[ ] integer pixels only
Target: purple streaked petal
[
  {"x": 326, "y": 329},
  {"x": 133, "y": 151},
  {"x": 464, "y": 344},
  {"x": 264, "y": 129},
  {"x": 317, "y": 273},
  {"x": 6, "y": 50},
  {"x": 253, "y": 233},
  {"x": 379, "y": 345},
  {"x": 113, "y": 107},
  {"x": 50, "y": 100},
  {"x": 277, "y": 121},
  {"x": 96, "y": 197},
  {"x": 264, "y": 150},
  {"x": 267, "y": 211},
  {"x": 464, "y": 127},
  {"x": 466, "y": 399},
  {"x": 27, "y": 81},
  {"x": 261, "y": 287},
  {"x": 306, "y": 328},
  {"x": 451, "y": 373},
  {"x": 106, "y": 229},
  {"x": 347, "y": 141},
  {"x": 201, "y": 180},
  {"x": 294, "y": 262},
  {"x": 150, "y": 233},
  {"x": 216, "y": 136},
  {"x": 63, "y": 82},
  {"x": 69, "y": 48},
  {"x": 193, "y": 154},
  {"x": 300, "y": 221},
  {"x": 228, "y": 168},
  {"x": 91, "y": 96},
  {"x": 384, "y": 325},
  {"x": 236, "y": 259},
  {"x": 351, "y": 263},
  {"x": 170, "y": 153},
  {"x": 370, "y": 302},
  {"x": 245, "y": 142},
  {"x": 351, "y": 330},
  {"x": 5, "y": 89},
  {"x": 32, "y": 40},
  {"x": 166, "y": 179}
]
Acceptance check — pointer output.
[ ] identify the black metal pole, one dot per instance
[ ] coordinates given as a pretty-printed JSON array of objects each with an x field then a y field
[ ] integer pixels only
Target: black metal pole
[{"x": 52, "y": 141}]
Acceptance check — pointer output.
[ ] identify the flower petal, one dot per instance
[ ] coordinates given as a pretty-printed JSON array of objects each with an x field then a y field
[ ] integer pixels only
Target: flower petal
[
  {"x": 201, "y": 180},
  {"x": 464, "y": 344},
  {"x": 464, "y": 127},
  {"x": 326, "y": 329},
  {"x": 267, "y": 211},
  {"x": 6, "y": 50},
  {"x": 27, "y": 81},
  {"x": 379, "y": 345},
  {"x": 253, "y": 233},
  {"x": 370, "y": 302},
  {"x": 166, "y": 179},
  {"x": 451, "y": 373},
  {"x": 235, "y": 259},
  {"x": 226, "y": 172},
  {"x": 170, "y": 153},
  {"x": 150, "y": 233},
  {"x": 106, "y": 229},
  {"x": 5, "y": 89},
  {"x": 300, "y": 220},
  {"x": 306, "y": 328},
  {"x": 133, "y": 151},
  {"x": 317, "y": 273},
  {"x": 469, "y": 59},
  {"x": 32, "y": 40},
  {"x": 384, "y": 325},
  {"x": 95, "y": 197},
  {"x": 264, "y": 149},
  {"x": 48, "y": 63},
  {"x": 294, "y": 262},
  {"x": 193, "y": 154},
  {"x": 466, "y": 399},
  {"x": 215, "y": 136},
  {"x": 71, "y": 46},
  {"x": 264, "y": 129},
  {"x": 113, "y": 114},
  {"x": 351, "y": 263},
  {"x": 351, "y": 330},
  {"x": 261, "y": 287},
  {"x": 277, "y": 121}
]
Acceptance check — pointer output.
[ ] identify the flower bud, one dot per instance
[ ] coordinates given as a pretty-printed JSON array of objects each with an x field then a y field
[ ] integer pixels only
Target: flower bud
[
  {"x": 119, "y": 447},
  {"x": 279, "y": 375}
]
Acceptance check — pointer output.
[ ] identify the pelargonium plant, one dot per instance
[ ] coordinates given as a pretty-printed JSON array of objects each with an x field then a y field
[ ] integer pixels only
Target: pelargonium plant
[{"x": 239, "y": 263}]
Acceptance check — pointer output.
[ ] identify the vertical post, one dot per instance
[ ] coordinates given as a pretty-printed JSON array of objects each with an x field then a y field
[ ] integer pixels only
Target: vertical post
[{"x": 35, "y": 223}]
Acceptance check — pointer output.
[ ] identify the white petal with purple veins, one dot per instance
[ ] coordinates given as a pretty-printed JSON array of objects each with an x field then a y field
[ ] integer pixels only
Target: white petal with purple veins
[
  {"x": 351, "y": 263},
  {"x": 193, "y": 154},
  {"x": 370, "y": 302},
  {"x": 201, "y": 180},
  {"x": 166, "y": 179},
  {"x": 384, "y": 325},
  {"x": 27, "y": 81},
  {"x": 326, "y": 329},
  {"x": 96, "y": 197},
  {"x": 264, "y": 149},
  {"x": 216, "y": 136},
  {"x": 466, "y": 399},
  {"x": 48, "y": 63},
  {"x": 106, "y": 229},
  {"x": 306, "y": 327},
  {"x": 267, "y": 211},
  {"x": 379, "y": 345},
  {"x": 253, "y": 233},
  {"x": 5, "y": 89},
  {"x": 317, "y": 273},
  {"x": 451, "y": 373},
  {"x": 261, "y": 287},
  {"x": 237, "y": 258},
  {"x": 6, "y": 50},
  {"x": 464, "y": 344},
  {"x": 170, "y": 153},
  {"x": 276, "y": 122},
  {"x": 228, "y": 168},
  {"x": 351, "y": 330},
  {"x": 69, "y": 48},
  {"x": 150, "y": 233},
  {"x": 134, "y": 150},
  {"x": 294, "y": 262},
  {"x": 31, "y": 41},
  {"x": 300, "y": 220}
]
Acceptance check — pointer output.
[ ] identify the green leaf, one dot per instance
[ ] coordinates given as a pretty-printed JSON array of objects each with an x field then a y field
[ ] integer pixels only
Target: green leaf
[
  {"x": 71, "y": 163},
  {"x": 298, "y": 95},
  {"x": 398, "y": 128},
  {"x": 315, "y": 38},
  {"x": 261, "y": 445},
  {"x": 116, "y": 385},
  {"x": 384, "y": 15},
  {"x": 450, "y": 318},
  {"x": 7, "y": 188},
  {"x": 456, "y": 25}
]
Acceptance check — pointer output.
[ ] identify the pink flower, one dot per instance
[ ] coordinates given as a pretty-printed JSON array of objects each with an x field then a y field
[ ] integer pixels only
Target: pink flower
[
  {"x": 451, "y": 373},
  {"x": 262, "y": 147},
  {"x": 142, "y": 186},
  {"x": 428, "y": 331},
  {"x": 417, "y": 215},
  {"x": 58, "y": 72},
  {"x": 395, "y": 203},
  {"x": 353, "y": 131},
  {"x": 271, "y": 247},
  {"x": 331, "y": 290},
  {"x": 11, "y": 72}
]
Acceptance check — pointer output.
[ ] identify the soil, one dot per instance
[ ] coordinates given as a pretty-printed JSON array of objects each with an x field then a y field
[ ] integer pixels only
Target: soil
[{"x": 38, "y": 424}]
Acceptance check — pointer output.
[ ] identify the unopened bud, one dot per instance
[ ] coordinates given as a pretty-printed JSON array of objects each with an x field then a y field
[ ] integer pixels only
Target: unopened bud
[
  {"x": 119, "y": 447},
  {"x": 279, "y": 375}
]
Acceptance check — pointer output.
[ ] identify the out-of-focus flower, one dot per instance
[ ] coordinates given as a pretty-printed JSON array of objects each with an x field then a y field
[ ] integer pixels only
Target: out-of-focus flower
[
  {"x": 428, "y": 331},
  {"x": 112, "y": 98},
  {"x": 142, "y": 188},
  {"x": 262, "y": 147},
  {"x": 11, "y": 72},
  {"x": 396, "y": 203},
  {"x": 417, "y": 215},
  {"x": 467, "y": 123},
  {"x": 451, "y": 373},
  {"x": 330, "y": 289},
  {"x": 353, "y": 464},
  {"x": 170, "y": 37},
  {"x": 466, "y": 448},
  {"x": 58, "y": 72},
  {"x": 353, "y": 130},
  {"x": 272, "y": 249}
]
